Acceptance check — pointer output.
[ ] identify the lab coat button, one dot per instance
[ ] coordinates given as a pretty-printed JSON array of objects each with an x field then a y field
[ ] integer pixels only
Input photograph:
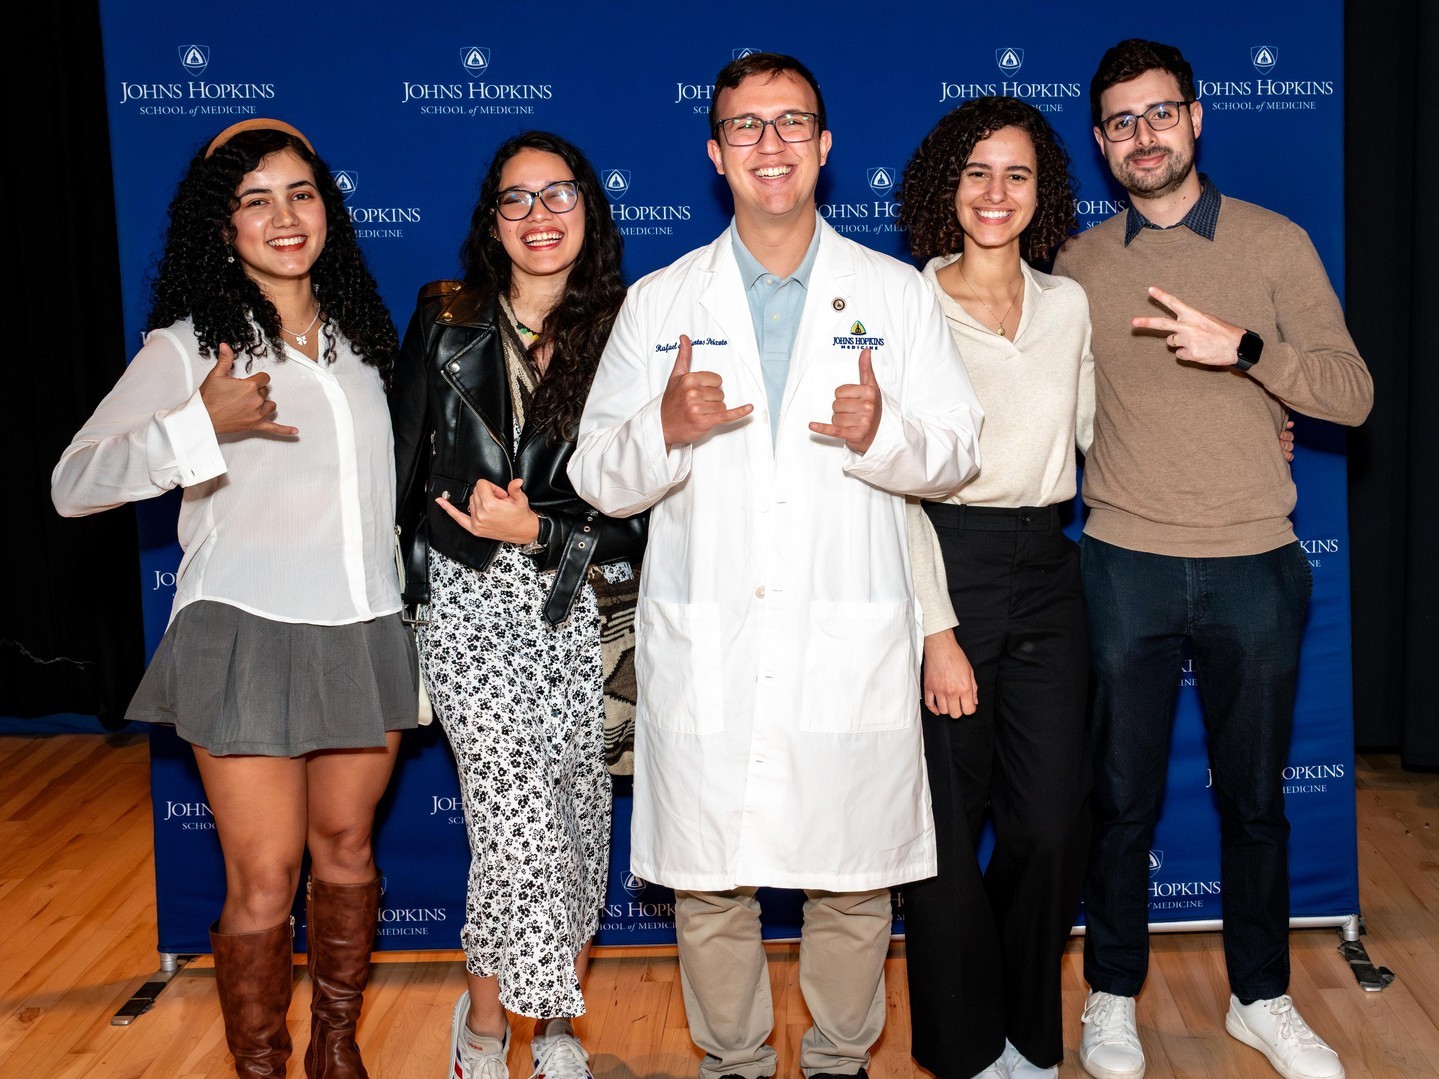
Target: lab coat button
[{"x": 759, "y": 592}]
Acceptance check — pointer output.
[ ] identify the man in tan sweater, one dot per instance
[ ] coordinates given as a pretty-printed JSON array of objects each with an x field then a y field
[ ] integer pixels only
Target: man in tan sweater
[{"x": 1213, "y": 319}]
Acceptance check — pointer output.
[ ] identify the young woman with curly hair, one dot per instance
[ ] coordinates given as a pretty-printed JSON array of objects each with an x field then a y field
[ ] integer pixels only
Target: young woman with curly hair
[
  {"x": 261, "y": 391},
  {"x": 1005, "y": 689},
  {"x": 512, "y": 573}
]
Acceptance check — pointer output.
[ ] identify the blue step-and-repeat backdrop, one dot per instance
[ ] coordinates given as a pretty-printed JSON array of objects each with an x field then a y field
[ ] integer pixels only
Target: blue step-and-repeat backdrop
[{"x": 407, "y": 108}]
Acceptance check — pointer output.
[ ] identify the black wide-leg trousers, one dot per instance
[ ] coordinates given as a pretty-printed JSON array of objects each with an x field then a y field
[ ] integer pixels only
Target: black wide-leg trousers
[{"x": 984, "y": 947}]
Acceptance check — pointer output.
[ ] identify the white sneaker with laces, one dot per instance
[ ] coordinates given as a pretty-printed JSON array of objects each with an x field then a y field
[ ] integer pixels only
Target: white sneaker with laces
[
  {"x": 1278, "y": 1031},
  {"x": 559, "y": 1056},
  {"x": 1019, "y": 1066},
  {"x": 1109, "y": 1045},
  {"x": 468, "y": 1062}
]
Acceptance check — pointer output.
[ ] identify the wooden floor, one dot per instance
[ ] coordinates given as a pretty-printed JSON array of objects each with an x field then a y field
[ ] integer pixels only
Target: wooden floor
[{"x": 77, "y": 922}]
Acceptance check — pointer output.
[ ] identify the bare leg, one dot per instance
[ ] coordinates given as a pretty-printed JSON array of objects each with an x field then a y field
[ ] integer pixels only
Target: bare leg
[
  {"x": 343, "y": 903},
  {"x": 259, "y": 808},
  {"x": 344, "y": 788},
  {"x": 487, "y": 1014}
]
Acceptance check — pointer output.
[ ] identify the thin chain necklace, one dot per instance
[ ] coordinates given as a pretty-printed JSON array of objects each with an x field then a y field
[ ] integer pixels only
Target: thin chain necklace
[
  {"x": 303, "y": 337},
  {"x": 959, "y": 263}
]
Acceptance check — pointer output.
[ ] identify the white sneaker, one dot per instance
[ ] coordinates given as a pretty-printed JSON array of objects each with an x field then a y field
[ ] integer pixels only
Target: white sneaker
[
  {"x": 1109, "y": 1046},
  {"x": 1278, "y": 1031},
  {"x": 469, "y": 1063},
  {"x": 998, "y": 1070},
  {"x": 1019, "y": 1066},
  {"x": 559, "y": 1056}
]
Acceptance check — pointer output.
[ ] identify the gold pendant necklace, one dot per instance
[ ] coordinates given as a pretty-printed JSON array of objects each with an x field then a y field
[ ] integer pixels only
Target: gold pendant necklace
[{"x": 959, "y": 264}]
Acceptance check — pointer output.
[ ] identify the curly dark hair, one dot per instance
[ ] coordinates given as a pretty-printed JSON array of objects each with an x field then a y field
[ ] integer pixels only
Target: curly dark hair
[
  {"x": 1130, "y": 59},
  {"x": 197, "y": 278},
  {"x": 576, "y": 330},
  {"x": 926, "y": 194}
]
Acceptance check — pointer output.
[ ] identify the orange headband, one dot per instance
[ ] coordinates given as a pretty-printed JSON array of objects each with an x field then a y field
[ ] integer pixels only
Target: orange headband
[{"x": 255, "y": 124}]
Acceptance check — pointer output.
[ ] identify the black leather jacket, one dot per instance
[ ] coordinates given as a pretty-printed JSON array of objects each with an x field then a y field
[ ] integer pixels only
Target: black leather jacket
[{"x": 454, "y": 422}]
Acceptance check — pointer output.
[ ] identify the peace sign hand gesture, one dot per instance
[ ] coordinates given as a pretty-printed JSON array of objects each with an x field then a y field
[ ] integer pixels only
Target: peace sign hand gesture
[{"x": 1194, "y": 335}]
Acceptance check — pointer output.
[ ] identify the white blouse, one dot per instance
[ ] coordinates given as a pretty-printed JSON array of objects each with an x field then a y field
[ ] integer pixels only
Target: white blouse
[{"x": 295, "y": 529}]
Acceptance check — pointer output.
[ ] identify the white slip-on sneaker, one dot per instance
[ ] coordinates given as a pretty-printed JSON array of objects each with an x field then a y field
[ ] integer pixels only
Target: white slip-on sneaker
[
  {"x": 559, "y": 1056},
  {"x": 467, "y": 1062},
  {"x": 1277, "y": 1030},
  {"x": 1020, "y": 1068},
  {"x": 1109, "y": 1045}
]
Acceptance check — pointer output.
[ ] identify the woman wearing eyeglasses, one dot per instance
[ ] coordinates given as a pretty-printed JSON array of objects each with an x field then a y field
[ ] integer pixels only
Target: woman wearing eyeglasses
[
  {"x": 1005, "y": 689},
  {"x": 503, "y": 563}
]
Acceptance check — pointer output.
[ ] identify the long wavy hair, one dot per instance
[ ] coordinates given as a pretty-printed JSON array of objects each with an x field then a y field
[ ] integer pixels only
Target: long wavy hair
[
  {"x": 576, "y": 330},
  {"x": 198, "y": 276},
  {"x": 926, "y": 194}
]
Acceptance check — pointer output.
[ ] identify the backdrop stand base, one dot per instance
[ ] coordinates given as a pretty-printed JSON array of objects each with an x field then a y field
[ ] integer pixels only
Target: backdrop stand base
[
  {"x": 1371, "y": 979},
  {"x": 140, "y": 1002}
]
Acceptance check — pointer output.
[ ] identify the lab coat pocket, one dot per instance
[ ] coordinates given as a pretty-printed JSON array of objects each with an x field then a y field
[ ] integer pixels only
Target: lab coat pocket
[
  {"x": 861, "y": 670},
  {"x": 677, "y": 661}
]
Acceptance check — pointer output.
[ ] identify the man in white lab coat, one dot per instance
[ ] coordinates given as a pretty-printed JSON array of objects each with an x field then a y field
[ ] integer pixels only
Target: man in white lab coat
[{"x": 773, "y": 397}]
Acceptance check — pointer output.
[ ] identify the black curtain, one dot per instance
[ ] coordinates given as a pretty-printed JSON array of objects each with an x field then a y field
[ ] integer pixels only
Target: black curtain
[
  {"x": 70, "y": 639},
  {"x": 70, "y": 629},
  {"x": 1391, "y": 177}
]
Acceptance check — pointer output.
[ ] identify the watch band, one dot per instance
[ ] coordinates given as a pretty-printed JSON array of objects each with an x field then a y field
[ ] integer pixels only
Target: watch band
[{"x": 542, "y": 537}]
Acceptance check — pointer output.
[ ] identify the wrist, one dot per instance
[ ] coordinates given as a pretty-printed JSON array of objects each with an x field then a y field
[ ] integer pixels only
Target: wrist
[
  {"x": 543, "y": 527},
  {"x": 1248, "y": 351}
]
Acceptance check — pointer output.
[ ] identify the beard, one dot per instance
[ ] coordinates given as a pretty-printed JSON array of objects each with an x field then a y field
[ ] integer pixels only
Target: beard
[{"x": 1154, "y": 184}]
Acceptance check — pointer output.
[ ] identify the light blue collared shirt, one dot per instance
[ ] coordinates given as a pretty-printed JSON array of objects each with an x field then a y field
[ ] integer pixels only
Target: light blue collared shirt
[{"x": 775, "y": 306}]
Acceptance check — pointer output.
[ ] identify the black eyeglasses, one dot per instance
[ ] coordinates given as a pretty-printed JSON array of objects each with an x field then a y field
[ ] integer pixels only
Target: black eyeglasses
[
  {"x": 1160, "y": 117},
  {"x": 560, "y": 197},
  {"x": 789, "y": 126}
]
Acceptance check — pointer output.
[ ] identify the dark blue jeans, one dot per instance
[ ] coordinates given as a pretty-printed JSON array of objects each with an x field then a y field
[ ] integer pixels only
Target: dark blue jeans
[{"x": 1243, "y": 618}]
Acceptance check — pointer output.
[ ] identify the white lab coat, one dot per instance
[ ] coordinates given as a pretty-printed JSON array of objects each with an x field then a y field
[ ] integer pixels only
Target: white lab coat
[{"x": 779, "y": 639}]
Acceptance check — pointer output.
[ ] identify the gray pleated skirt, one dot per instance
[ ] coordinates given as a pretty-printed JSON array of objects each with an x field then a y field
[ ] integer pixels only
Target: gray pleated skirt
[{"x": 235, "y": 683}]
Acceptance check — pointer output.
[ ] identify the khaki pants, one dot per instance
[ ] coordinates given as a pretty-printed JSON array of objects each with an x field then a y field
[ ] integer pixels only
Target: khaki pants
[{"x": 726, "y": 982}]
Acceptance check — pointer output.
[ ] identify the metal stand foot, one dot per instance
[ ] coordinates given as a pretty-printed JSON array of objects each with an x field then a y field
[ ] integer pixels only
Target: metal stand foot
[
  {"x": 1371, "y": 979},
  {"x": 140, "y": 1002}
]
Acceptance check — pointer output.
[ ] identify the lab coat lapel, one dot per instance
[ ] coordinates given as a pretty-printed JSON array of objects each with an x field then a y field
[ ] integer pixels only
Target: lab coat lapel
[
  {"x": 723, "y": 298},
  {"x": 827, "y": 304}
]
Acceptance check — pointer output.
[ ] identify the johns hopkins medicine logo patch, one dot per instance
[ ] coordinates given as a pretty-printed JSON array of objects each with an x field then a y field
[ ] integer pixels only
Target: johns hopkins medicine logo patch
[{"x": 858, "y": 337}]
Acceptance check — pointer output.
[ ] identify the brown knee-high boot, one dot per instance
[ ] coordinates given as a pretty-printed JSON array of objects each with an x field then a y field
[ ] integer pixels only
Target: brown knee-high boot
[
  {"x": 340, "y": 932},
  {"x": 253, "y": 978}
]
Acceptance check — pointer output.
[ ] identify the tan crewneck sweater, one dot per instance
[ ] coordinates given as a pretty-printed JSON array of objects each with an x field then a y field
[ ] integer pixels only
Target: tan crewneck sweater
[{"x": 1186, "y": 459}]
